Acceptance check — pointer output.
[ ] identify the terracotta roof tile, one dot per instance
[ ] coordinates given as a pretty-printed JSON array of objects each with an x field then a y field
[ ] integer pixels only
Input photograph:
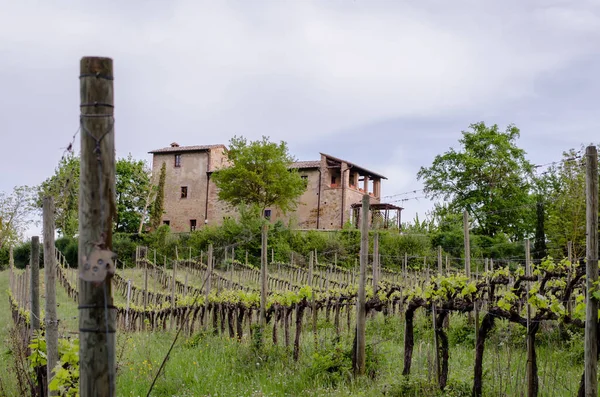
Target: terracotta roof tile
[
  {"x": 306, "y": 164},
  {"x": 196, "y": 148}
]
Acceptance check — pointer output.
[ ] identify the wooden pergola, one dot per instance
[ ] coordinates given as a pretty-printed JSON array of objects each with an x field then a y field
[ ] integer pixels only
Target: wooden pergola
[{"x": 381, "y": 215}]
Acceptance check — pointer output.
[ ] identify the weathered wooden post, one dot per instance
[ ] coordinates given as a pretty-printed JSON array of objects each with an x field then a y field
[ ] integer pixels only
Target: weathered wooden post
[
  {"x": 11, "y": 265},
  {"x": 155, "y": 278},
  {"x": 173, "y": 290},
  {"x": 35, "y": 283},
  {"x": 531, "y": 370},
  {"x": 50, "y": 276},
  {"x": 263, "y": 279},
  {"x": 127, "y": 305},
  {"x": 375, "y": 263},
  {"x": 439, "y": 260},
  {"x": 361, "y": 318},
  {"x": 591, "y": 318},
  {"x": 145, "y": 284},
  {"x": 467, "y": 244},
  {"x": 209, "y": 265},
  {"x": 313, "y": 307},
  {"x": 96, "y": 213}
]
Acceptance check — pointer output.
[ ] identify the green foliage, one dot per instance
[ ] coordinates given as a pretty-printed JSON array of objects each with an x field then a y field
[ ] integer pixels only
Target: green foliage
[
  {"x": 132, "y": 187},
  {"x": 257, "y": 338},
  {"x": 66, "y": 378},
  {"x": 37, "y": 345},
  {"x": 421, "y": 387},
  {"x": 461, "y": 332},
  {"x": 69, "y": 246},
  {"x": 15, "y": 209},
  {"x": 158, "y": 206},
  {"x": 259, "y": 175},
  {"x": 564, "y": 189},
  {"x": 488, "y": 176},
  {"x": 333, "y": 364},
  {"x": 63, "y": 187},
  {"x": 132, "y": 184},
  {"x": 22, "y": 254}
]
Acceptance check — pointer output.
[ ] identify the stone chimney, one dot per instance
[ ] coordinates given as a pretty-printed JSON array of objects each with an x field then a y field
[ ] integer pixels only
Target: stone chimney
[{"x": 174, "y": 144}]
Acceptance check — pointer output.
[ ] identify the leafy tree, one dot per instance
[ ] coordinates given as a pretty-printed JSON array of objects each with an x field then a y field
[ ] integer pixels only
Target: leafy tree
[
  {"x": 565, "y": 205},
  {"x": 132, "y": 183},
  {"x": 259, "y": 175},
  {"x": 63, "y": 186},
  {"x": 15, "y": 209},
  {"x": 158, "y": 207},
  {"x": 489, "y": 176}
]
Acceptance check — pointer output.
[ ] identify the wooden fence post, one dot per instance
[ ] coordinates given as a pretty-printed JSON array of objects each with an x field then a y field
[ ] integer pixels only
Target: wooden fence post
[
  {"x": 375, "y": 263},
  {"x": 127, "y": 304},
  {"x": 361, "y": 310},
  {"x": 591, "y": 318},
  {"x": 467, "y": 244},
  {"x": 35, "y": 283},
  {"x": 313, "y": 307},
  {"x": 209, "y": 267},
  {"x": 50, "y": 276},
  {"x": 264, "y": 279},
  {"x": 11, "y": 264},
  {"x": 439, "y": 259},
  {"x": 531, "y": 372},
  {"x": 97, "y": 320}
]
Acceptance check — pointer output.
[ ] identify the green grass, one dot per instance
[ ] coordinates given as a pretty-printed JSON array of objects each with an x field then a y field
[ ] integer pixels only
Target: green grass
[{"x": 208, "y": 365}]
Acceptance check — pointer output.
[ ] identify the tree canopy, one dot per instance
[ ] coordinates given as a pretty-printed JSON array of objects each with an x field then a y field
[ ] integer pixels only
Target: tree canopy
[
  {"x": 488, "y": 176},
  {"x": 14, "y": 214},
  {"x": 259, "y": 175},
  {"x": 132, "y": 186}
]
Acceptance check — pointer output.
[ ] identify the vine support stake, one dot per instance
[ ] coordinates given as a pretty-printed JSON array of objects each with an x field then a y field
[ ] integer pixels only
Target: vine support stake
[
  {"x": 531, "y": 370},
  {"x": 375, "y": 263},
  {"x": 50, "y": 273},
  {"x": 591, "y": 318},
  {"x": 467, "y": 244},
  {"x": 97, "y": 319},
  {"x": 35, "y": 283},
  {"x": 361, "y": 309},
  {"x": 264, "y": 279}
]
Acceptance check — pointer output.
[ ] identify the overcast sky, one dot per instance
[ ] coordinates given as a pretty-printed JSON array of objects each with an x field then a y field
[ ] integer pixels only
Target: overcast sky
[{"x": 384, "y": 84}]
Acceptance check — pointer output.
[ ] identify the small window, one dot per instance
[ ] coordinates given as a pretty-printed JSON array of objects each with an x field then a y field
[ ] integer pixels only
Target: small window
[
  {"x": 268, "y": 214},
  {"x": 305, "y": 177},
  {"x": 168, "y": 223},
  {"x": 192, "y": 225},
  {"x": 333, "y": 179},
  {"x": 177, "y": 160},
  {"x": 184, "y": 192}
]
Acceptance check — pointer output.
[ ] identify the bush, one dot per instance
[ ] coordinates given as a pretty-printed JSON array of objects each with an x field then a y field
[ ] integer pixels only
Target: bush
[
  {"x": 422, "y": 388},
  {"x": 69, "y": 246},
  {"x": 22, "y": 253},
  {"x": 332, "y": 365},
  {"x": 461, "y": 332}
]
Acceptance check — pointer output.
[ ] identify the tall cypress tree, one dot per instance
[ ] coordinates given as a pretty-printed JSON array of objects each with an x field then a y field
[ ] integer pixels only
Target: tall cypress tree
[
  {"x": 159, "y": 203},
  {"x": 539, "y": 245}
]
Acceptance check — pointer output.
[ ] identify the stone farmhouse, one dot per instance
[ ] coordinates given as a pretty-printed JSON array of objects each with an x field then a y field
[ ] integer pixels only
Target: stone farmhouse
[{"x": 333, "y": 196}]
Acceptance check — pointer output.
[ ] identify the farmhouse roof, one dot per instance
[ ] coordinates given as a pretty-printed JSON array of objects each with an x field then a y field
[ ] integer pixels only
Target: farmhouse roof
[
  {"x": 356, "y": 167},
  {"x": 306, "y": 164},
  {"x": 178, "y": 149}
]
